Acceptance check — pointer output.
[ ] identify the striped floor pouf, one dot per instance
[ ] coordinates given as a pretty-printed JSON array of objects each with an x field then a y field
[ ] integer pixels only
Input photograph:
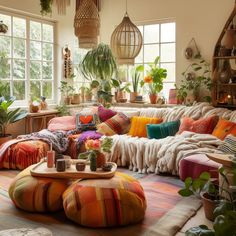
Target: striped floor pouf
[
  {"x": 105, "y": 202},
  {"x": 37, "y": 194}
]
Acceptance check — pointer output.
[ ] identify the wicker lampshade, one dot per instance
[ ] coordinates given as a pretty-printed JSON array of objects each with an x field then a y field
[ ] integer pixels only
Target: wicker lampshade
[
  {"x": 126, "y": 41},
  {"x": 87, "y": 24}
]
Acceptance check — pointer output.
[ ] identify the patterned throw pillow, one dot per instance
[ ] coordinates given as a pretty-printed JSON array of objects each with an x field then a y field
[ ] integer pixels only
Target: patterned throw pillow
[
  {"x": 138, "y": 125},
  {"x": 223, "y": 128},
  {"x": 201, "y": 126},
  {"x": 86, "y": 122},
  {"x": 118, "y": 124},
  {"x": 163, "y": 130},
  {"x": 229, "y": 145},
  {"x": 104, "y": 113}
]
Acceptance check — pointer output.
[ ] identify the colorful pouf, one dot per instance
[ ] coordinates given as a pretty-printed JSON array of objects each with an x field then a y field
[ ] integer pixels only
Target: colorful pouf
[
  {"x": 105, "y": 202},
  {"x": 37, "y": 194}
]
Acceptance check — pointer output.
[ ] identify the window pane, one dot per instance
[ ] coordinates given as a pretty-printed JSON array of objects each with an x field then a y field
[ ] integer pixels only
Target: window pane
[
  {"x": 5, "y": 46},
  {"x": 168, "y": 52},
  {"x": 79, "y": 55},
  {"x": 47, "y": 51},
  {"x": 19, "y": 48},
  {"x": 19, "y": 90},
  {"x": 150, "y": 52},
  {"x": 166, "y": 89},
  {"x": 168, "y": 32},
  {"x": 5, "y": 67},
  {"x": 151, "y": 33},
  {"x": 35, "y": 30},
  {"x": 47, "y": 89},
  {"x": 19, "y": 27},
  {"x": 35, "y": 89},
  {"x": 47, "y": 33},
  {"x": 35, "y": 70},
  {"x": 6, "y": 92},
  {"x": 7, "y": 21},
  {"x": 19, "y": 69},
  {"x": 123, "y": 73},
  {"x": 35, "y": 50},
  {"x": 170, "y": 67},
  {"x": 139, "y": 58},
  {"x": 47, "y": 70}
]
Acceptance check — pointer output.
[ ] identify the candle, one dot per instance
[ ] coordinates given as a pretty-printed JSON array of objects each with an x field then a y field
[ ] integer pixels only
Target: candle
[
  {"x": 61, "y": 165},
  {"x": 50, "y": 157},
  {"x": 68, "y": 161},
  {"x": 80, "y": 166}
]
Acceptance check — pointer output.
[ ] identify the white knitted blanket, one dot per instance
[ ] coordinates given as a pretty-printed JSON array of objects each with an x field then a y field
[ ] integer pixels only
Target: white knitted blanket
[{"x": 160, "y": 155}]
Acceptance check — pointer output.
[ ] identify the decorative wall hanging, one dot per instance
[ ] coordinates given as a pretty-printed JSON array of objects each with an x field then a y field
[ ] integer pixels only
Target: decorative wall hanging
[
  {"x": 3, "y": 27},
  {"x": 87, "y": 23},
  {"x": 191, "y": 50},
  {"x": 126, "y": 41},
  {"x": 67, "y": 62},
  {"x": 61, "y": 6}
]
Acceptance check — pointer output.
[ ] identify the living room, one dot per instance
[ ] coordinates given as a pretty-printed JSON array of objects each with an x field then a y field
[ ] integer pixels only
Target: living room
[{"x": 117, "y": 117}]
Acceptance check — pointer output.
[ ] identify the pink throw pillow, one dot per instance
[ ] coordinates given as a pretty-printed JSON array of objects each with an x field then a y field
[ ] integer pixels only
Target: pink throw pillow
[
  {"x": 105, "y": 114},
  {"x": 201, "y": 126},
  {"x": 64, "y": 123}
]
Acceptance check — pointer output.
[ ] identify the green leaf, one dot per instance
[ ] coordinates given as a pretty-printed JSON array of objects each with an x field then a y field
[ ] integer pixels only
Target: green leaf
[
  {"x": 188, "y": 181},
  {"x": 201, "y": 230},
  {"x": 185, "y": 192},
  {"x": 205, "y": 176}
]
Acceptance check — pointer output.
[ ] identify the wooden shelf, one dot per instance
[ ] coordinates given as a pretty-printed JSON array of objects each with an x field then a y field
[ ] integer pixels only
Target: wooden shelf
[
  {"x": 224, "y": 57},
  {"x": 229, "y": 84}
]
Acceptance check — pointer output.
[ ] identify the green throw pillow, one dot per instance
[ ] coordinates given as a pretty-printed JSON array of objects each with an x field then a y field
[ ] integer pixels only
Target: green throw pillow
[{"x": 163, "y": 130}]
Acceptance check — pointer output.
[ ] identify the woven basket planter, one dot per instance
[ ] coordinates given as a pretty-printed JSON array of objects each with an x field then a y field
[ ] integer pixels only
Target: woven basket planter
[
  {"x": 87, "y": 24},
  {"x": 126, "y": 41}
]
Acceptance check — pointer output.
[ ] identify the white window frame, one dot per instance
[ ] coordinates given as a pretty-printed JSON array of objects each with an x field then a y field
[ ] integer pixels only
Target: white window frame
[{"x": 28, "y": 18}]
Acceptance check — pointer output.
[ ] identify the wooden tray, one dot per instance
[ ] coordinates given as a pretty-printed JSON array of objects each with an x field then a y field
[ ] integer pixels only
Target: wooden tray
[
  {"x": 41, "y": 170},
  {"x": 223, "y": 159}
]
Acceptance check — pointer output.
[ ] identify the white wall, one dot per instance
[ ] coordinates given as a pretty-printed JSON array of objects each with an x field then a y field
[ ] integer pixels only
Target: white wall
[{"x": 201, "y": 19}]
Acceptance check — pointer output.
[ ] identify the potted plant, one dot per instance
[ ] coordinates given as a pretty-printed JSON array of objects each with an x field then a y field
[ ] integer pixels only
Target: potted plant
[
  {"x": 224, "y": 199},
  {"x": 99, "y": 66},
  {"x": 66, "y": 91},
  {"x": 46, "y": 7},
  {"x": 120, "y": 95},
  {"x": 196, "y": 75},
  {"x": 154, "y": 80},
  {"x": 136, "y": 81},
  {"x": 8, "y": 117}
]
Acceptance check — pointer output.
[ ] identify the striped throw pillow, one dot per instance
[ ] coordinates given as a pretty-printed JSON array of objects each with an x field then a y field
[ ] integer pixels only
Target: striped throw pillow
[{"x": 229, "y": 145}]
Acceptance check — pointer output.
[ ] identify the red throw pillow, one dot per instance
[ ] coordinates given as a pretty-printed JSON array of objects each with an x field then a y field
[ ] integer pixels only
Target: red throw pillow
[
  {"x": 105, "y": 113},
  {"x": 201, "y": 126}
]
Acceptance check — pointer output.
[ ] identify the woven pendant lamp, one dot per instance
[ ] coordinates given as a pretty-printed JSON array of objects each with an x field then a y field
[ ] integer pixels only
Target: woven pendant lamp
[
  {"x": 126, "y": 41},
  {"x": 87, "y": 24}
]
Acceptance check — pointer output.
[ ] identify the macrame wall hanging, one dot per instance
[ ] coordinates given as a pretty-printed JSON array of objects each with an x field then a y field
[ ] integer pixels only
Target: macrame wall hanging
[
  {"x": 87, "y": 23},
  {"x": 67, "y": 62},
  {"x": 61, "y": 6}
]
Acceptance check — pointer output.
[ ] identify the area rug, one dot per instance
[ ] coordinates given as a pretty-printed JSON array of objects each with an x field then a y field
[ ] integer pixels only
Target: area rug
[{"x": 166, "y": 211}]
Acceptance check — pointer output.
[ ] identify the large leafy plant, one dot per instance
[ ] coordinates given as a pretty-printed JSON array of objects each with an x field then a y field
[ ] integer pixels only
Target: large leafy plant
[
  {"x": 9, "y": 116},
  {"x": 225, "y": 211},
  {"x": 99, "y": 67}
]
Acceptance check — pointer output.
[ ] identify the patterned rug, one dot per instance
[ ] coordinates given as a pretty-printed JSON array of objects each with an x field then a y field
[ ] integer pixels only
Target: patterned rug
[{"x": 166, "y": 211}]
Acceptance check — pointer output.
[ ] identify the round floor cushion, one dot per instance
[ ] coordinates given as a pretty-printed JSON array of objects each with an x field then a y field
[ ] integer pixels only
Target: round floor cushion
[
  {"x": 36, "y": 194},
  {"x": 105, "y": 202}
]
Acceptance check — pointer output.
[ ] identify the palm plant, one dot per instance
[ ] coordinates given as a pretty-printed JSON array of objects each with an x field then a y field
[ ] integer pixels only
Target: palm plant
[
  {"x": 99, "y": 66},
  {"x": 9, "y": 116}
]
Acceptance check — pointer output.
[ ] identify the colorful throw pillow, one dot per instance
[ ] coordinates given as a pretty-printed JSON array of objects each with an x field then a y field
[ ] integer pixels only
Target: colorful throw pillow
[
  {"x": 104, "y": 113},
  {"x": 118, "y": 124},
  {"x": 163, "y": 130},
  {"x": 86, "y": 122},
  {"x": 64, "y": 123},
  {"x": 229, "y": 145},
  {"x": 223, "y": 128},
  {"x": 201, "y": 126},
  {"x": 138, "y": 125}
]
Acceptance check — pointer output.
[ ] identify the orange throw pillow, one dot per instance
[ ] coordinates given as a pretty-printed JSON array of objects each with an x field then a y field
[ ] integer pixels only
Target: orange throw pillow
[
  {"x": 138, "y": 125},
  {"x": 223, "y": 128},
  {"x": 201, "y": 126}
]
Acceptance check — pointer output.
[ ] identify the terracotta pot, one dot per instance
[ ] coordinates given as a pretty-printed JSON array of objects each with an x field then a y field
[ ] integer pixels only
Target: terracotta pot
[
  {"x": 67, "y": 100},
  {"x": 5, "y": 138},
  {"x": 120, "y": 95},
  {"x": 34, "y": 109},
  {"x": 133, "y": 96},
  {"x": 101, "y": 159},
  {"x": 209, "y": 206},
  {"x": 153, "y": 98},
  {"x": 88, "y": 97},
  {"x": 75, "y": 99}
]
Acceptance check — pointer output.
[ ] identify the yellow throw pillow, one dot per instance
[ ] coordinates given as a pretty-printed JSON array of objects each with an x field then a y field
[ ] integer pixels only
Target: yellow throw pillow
[{"x": 138, "y": 125}]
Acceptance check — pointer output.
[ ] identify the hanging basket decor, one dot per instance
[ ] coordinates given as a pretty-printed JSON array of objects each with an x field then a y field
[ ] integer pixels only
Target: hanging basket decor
[
  {"x": 126, "y": 41},
  {"x": 87, "y": 24}
]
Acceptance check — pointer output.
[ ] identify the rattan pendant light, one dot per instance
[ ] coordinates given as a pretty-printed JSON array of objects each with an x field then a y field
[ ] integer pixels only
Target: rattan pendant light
[
  {"x": 87, "y": 24},
  {"x": 126, "y": 41}
]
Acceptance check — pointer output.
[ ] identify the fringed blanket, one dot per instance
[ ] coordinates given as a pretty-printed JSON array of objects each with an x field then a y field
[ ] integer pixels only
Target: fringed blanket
[
  {"x": 162, "y": 155},
  {"x": 58, "y": 139}
]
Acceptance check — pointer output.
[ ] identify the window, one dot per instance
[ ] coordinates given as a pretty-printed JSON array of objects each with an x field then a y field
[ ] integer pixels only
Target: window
[
  {"x": 159, "y": 40},
  {"x": 27, "y": 58}
]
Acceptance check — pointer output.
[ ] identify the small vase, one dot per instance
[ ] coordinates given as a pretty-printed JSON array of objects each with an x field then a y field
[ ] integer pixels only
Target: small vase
[
  {"x": 101, "y": 159},
  {"x": 133, "y": 96},
  {"x": 153, "y": 98}
]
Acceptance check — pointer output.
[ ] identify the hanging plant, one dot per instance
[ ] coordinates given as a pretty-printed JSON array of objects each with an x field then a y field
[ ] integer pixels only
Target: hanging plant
[{"x": 46, "y": 7}]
